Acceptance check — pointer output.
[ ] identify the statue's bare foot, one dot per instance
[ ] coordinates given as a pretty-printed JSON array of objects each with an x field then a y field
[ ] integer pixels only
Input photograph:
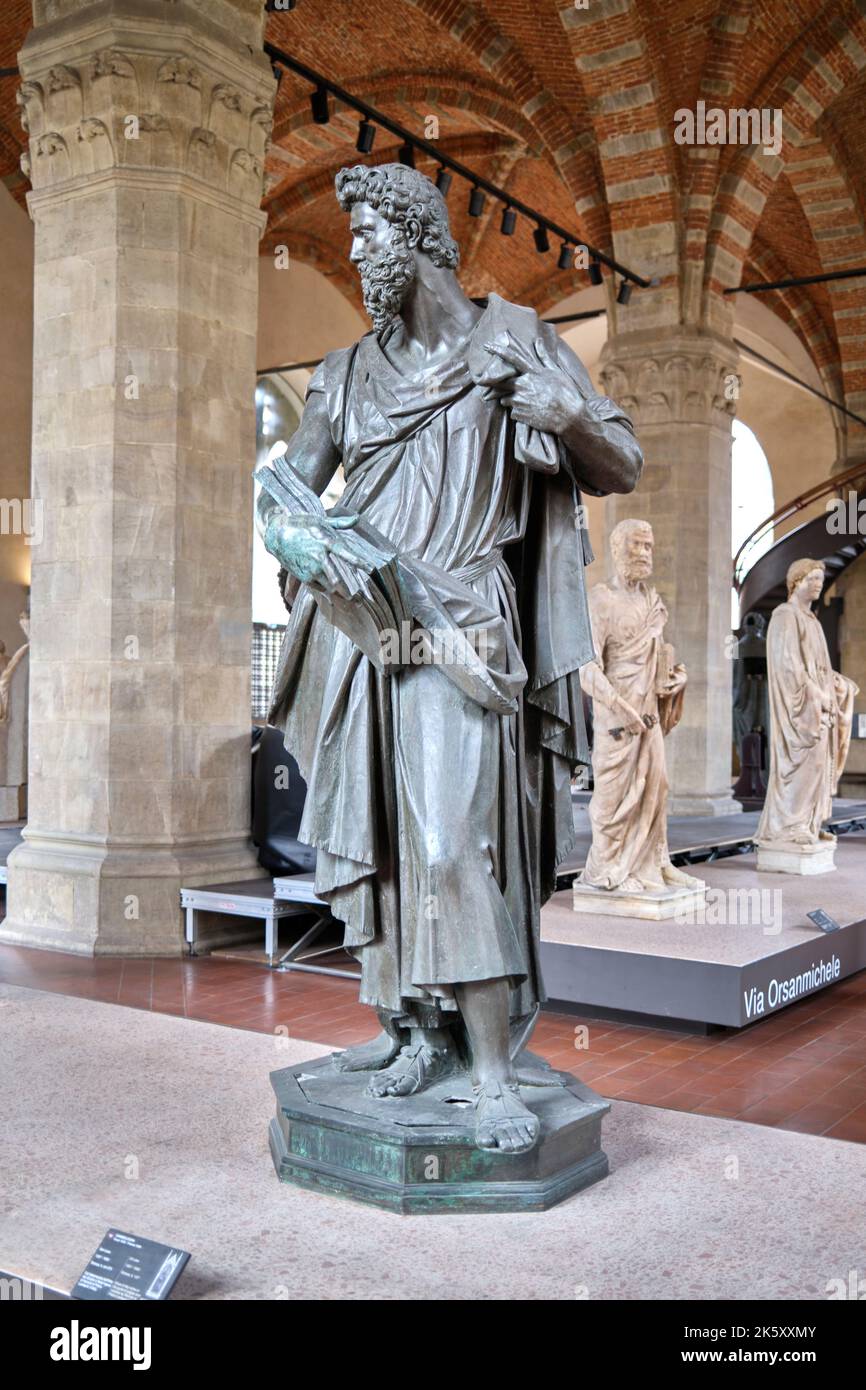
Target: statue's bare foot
[
  {"x": 502, "y": 1121},
  {"x": 412, "y": 1069},
  {"x": 675, "y": 878},
  {"x": 652, "y": 885},
  {"x": 539, "y": 1076},
  {"x": 368, "y": 1056},
  {"x": 630, "y": 885},
  {"x": 826, "y": 835}
]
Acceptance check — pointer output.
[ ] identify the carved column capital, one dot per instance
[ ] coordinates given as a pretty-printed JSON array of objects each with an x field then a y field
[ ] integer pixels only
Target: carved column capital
[
  {"x": 149, "y": 89},
  {"x": 682, "y": 375}
]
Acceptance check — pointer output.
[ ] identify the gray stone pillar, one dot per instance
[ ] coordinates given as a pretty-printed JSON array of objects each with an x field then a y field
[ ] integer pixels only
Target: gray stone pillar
[
  {"x": 851, "y": 588},
  {"x": 147, "y": 124},
  {"x": 679, "y": 385}
]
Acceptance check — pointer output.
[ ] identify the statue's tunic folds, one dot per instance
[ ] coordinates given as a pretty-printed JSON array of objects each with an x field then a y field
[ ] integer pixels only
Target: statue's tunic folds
[
  {"x": 439, "y": 799},
  {"x": 628, "y": 810},
  {"x": 807, "y": 750}
]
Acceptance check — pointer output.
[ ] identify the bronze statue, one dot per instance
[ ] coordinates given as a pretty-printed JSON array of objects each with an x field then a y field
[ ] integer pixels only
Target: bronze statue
[{"x": 439, "y": 785}]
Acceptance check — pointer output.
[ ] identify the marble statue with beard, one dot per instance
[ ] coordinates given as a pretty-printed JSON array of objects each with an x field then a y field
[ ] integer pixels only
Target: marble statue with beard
[
  {"x": 637, "y": 692},
  {"x": 439, "y": 793}
]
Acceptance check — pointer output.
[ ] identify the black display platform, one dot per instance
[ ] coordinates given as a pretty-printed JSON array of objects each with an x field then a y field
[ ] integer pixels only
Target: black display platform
[{"x": 756, "y": 953}]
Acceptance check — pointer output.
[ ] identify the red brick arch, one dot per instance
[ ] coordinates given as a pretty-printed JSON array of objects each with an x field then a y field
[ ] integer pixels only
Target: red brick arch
[
  {"x": 803, "y": 89},
  {"x": 462, "y": 95},
  {"x": 563, "y": 138},
  {"x": 320, "y": 183},
  {"x": 619, "y": 65}
]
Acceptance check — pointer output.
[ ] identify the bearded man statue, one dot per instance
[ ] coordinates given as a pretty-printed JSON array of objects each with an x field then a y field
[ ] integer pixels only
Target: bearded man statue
[
  {"x": 439, "y": 792},
  {"x": 637, "y": 692}
]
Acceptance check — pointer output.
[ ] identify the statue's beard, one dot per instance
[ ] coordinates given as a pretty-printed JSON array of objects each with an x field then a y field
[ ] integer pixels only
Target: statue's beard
[
  {"x": 384, "y": 283},
  {"x": 633, "y": 571}
]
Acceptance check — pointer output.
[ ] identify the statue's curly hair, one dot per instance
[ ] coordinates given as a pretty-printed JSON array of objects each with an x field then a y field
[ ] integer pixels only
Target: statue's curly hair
[
  {"x": 400, "y": 193},
  {"x": 620, "y": 534},
  {"x": 799, "y": 570}
]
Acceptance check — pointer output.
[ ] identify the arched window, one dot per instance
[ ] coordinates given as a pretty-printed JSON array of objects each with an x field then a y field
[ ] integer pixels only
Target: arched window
[{"x": 752, "y": 499}]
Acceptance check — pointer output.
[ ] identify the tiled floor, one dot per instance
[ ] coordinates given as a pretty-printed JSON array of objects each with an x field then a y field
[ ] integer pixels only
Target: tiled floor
[{"x": 803, "y": 1069}]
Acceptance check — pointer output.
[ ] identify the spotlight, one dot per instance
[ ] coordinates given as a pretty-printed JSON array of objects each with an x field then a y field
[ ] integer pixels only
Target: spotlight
[
  {"x": 509, "y": 222},
  {"x": 595, "y": 275},
  {"x": 539, "y": 236},
  {"x": 366, "y": 136},
  {"x": 406, "y": 155},
  {"x": 319, "y": 106},
  {"x": 476, "y": 202},
  {"x": 443, "y": 180},
  {"x": 565, "y": 261},
  {"x": 624, "y": 292}
]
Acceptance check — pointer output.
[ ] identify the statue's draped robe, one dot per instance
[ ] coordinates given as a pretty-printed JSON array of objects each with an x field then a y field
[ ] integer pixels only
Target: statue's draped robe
[
  {"x": 439, "y": 802},
  {"x": 806, "y": 758},
  {"x": 628, "y": 810}
]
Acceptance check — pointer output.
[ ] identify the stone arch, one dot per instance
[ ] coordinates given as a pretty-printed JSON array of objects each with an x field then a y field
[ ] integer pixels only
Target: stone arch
[
  {"x": 802, "y": 87},
  {"x": 468, "y": 96},
  {"x": 567, "y": 144},
  {"x": 618, "y": 69},
  {"x": 798, "y": 310},
  {"x": 312, "y": 251},
  {"x": 321, "y": 183}
]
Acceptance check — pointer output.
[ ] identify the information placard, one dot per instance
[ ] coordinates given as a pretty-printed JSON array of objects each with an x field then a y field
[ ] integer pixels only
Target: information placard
[
  {"x": 823, "y": 920},
  {"x": 127, "y": 1267}
]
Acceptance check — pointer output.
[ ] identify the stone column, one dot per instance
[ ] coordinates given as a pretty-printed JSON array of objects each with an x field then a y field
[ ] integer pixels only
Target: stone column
[
  {"x": 679, "y": 385},
  {"x": 147, "y": 124},
  {"x": 851, "y": 588}
]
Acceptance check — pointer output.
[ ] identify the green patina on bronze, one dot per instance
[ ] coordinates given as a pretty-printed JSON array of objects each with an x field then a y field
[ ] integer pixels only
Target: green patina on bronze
[{"x": 417, "y": 1154}]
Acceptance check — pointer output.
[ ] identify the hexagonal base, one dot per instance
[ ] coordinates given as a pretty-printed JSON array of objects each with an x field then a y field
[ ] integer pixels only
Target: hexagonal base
[{"x": 415, "y": 1154}]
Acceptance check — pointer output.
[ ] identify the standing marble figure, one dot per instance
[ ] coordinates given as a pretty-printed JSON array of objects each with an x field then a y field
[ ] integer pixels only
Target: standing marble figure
[
  {"x": 439, "y": 791},
  {"x": 637, "y": 691},
  {"x": 811, "y": 713}
]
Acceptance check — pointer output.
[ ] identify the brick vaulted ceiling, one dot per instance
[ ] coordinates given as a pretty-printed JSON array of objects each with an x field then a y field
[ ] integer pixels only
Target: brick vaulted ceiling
[{"x": 570, "y": 107}]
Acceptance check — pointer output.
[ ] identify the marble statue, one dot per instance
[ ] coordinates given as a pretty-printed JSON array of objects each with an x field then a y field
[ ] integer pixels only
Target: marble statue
[
  {"x": 637, "y": 689},
  {"x": 14, "y": 716},
  {"x": 439, "y": 789},
  {"x": 9, "y": 665},
  {"x": 811, "y": 714}
]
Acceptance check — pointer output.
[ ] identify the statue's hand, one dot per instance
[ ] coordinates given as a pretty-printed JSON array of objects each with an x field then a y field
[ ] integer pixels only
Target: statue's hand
[
  {"x": 632, "y": 722},
  {"x": 304, "y": 544},
  {"x": 677, "y": 680},
  {"x": 543, "y": 396}
]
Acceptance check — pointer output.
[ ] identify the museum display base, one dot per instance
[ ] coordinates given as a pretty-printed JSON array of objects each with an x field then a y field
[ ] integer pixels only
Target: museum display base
[
  {"x": 797, "y": 859},
  {"x": 656, "y": 907},
  {"x": 747, "y": 951},
  {"x": 417, "y": 1154}
]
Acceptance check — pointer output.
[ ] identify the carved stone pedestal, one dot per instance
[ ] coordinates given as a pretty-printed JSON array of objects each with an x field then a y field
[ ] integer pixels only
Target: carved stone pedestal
[
  {"x": 417, "y": 1154},
  {"x": 656, "y": 907},
  {"x": 797, "y": 859}
]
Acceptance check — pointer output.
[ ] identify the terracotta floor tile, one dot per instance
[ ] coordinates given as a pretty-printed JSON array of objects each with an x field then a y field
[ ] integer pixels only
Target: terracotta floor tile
[
  {"x": 804, "y": 1069},
  {"x": 851, "y": 1127}
]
